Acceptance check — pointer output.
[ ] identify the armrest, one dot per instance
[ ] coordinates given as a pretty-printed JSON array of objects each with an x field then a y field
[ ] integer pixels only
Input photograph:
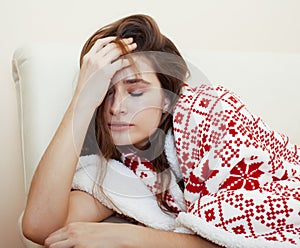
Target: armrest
[{"x": 45, "y": 76}]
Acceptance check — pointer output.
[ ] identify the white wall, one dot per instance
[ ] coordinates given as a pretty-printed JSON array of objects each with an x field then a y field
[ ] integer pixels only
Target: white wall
[{"x": 246, "y": 25}]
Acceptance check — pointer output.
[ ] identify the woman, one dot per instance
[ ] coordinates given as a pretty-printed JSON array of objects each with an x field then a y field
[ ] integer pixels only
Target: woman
[{"x": 174, "y": 158}]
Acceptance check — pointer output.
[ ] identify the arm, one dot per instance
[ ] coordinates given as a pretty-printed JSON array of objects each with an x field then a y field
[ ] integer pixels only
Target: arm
[
  {"x": 84, "y": 207},
  {"x": 49, "y": 196},
  {"x": 48, "y": 199},
  {"x": 121, "y": 235},
  {"x": 158, "y": 238}
]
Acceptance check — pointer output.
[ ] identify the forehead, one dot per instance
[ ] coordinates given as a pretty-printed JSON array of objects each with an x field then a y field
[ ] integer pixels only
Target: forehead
[{"x": 141, "y": 69}]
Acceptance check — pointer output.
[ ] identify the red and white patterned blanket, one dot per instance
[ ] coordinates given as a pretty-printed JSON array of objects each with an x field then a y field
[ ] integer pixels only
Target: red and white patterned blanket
[{"x": 240, "y": 176}]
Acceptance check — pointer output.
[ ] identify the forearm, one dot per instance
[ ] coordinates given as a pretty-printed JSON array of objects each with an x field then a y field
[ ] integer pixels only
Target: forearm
[
  {"x": 158, "y": 238},
  {"x": 48, "y": 199},
  {"x": 83, "y": 207}
]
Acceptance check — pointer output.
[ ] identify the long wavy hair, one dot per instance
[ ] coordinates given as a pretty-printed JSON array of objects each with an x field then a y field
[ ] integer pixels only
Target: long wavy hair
[{"x": 171, "y": 74}]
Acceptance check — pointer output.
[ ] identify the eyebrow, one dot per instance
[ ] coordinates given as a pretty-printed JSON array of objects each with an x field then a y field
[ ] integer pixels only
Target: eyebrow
[{"x": 136, "y": 80}]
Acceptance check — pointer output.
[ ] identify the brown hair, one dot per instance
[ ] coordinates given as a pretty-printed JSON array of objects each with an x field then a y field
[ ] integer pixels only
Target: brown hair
[{"x": 171, "y": 74}]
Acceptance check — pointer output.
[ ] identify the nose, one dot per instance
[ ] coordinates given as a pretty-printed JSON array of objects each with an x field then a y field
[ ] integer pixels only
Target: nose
[{"x": 118, "y": 104}]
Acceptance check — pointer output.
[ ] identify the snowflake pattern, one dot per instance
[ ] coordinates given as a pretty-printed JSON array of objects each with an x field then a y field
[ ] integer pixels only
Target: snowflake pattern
[{"x": 251, "y": 186}]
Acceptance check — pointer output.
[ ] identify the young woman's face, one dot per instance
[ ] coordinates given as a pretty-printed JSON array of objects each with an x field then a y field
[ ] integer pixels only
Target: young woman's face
[{"x": 134, "y": 106}]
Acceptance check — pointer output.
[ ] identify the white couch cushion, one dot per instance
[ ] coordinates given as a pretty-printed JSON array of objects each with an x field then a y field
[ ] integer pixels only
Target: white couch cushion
[{"x": 44, "y": 76}]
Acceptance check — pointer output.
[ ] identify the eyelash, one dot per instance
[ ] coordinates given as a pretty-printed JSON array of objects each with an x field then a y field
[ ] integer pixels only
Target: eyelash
[
  {"x": 136, "y": 94},
  {"x": 132, "y": 93}
]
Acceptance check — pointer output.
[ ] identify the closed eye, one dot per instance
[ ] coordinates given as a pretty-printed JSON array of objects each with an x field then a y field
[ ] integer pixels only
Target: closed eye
[
  {"x": 136, "y": 93},
  {"x": 136, "y": 87}
]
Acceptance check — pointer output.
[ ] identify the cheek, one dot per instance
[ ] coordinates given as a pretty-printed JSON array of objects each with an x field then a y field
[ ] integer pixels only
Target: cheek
[
  {"x": 148, "y": 119},
  {"x": 148, "y": 111}
]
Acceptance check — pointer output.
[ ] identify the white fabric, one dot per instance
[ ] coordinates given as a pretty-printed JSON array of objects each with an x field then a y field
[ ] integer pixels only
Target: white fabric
[
  {"x": 126, "y": 192},
  {"x": 124, "y": 189}
]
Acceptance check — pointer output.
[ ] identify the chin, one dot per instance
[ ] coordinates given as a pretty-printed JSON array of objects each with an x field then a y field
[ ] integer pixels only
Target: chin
[
  {"x": 119, "y": 141},
  {"x": 122, "y": 144}
]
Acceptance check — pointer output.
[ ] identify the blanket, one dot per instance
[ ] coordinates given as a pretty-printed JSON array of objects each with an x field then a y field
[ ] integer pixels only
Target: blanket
[{"x": 241, "y": 178}]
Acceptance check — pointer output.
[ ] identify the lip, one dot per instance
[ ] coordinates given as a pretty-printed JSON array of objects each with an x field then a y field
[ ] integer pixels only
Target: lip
[{"x": 119, "y": 126}]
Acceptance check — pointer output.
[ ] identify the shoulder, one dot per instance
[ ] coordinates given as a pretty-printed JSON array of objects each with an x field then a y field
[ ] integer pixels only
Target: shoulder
[
  {"x": 207, "y": 99},
  {"x": 205, "y": 90}
]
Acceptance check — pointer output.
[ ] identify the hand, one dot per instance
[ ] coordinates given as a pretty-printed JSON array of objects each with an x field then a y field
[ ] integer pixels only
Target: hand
[
  {"x": 112, "y": 235},
  {"x": 98, "y": 67},
  {"x": 95, "y": 235}
]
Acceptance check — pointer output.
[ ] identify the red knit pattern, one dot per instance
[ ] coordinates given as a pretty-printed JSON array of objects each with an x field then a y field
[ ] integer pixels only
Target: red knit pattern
[
  {"x": 145, "y": 170},
  {"x": 239, "y": 174}
]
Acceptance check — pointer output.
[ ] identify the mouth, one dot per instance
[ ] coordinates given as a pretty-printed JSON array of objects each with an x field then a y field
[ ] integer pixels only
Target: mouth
[{"x": 119, "y": 126}]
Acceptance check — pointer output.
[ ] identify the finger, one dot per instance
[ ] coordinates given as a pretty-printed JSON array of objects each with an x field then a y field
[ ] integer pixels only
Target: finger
[
  {"x": 56, "y": 236},
  {"x": 109, "y": 47},
  {"x": 63, "y": 244},
  {"x": 100, "y": 43},
  {"x": 114, "y": 54},
  {"x": 105, "y": 75},
  {"x": 116, "y": 66}
]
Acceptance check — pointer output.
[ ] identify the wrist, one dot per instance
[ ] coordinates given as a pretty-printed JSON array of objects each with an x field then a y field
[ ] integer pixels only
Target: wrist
[
  {"x": 82, "y": 106},
  {"x": 141, "y": 236},
  {"x": 90, "y": 94},
  {"x": 81, "y": 114}
]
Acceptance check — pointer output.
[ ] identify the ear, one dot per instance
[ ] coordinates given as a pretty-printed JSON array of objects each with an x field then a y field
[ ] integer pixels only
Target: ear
[{"x": 166, "y": 105}]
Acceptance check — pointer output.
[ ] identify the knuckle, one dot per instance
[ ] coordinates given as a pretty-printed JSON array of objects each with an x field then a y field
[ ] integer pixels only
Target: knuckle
[
  {"x": 110, "y": 45},
  {"x": 72, "y": 228}
]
